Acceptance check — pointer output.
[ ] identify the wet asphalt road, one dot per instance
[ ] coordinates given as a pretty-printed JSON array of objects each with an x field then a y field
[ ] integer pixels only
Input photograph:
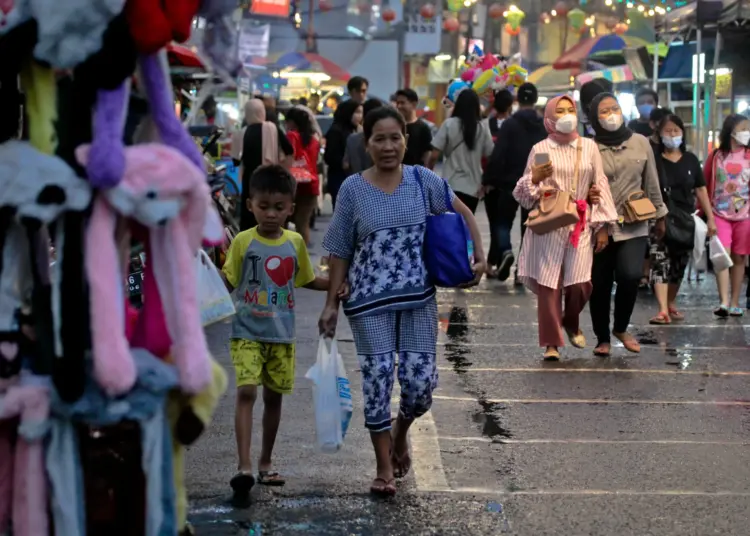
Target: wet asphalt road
[{"x": 649, "y": 444}]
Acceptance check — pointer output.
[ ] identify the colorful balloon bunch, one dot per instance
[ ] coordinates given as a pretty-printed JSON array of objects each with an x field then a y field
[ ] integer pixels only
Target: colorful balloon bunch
[{"x": 487, "y": 73}]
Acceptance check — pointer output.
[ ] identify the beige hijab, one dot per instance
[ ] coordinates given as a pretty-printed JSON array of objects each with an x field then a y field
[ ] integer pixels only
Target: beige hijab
[{"x": 255, "y": 113}]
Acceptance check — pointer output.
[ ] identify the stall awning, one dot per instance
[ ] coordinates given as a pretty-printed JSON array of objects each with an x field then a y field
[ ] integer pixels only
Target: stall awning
[
  {"x": 679, "y": 61},
  {"x": 615, "y": 75},
  {"x": 684, "y": 17},
  {"x": 303, "y": 61},
  {"x": 577, "y": 55}
]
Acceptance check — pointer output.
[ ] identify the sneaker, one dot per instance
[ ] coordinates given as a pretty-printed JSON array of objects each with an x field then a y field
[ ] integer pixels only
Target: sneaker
[
  {"x": 736, "y": 311},
  {"x": 506, "y": 263},
  {"x": 722, "y": 311}
]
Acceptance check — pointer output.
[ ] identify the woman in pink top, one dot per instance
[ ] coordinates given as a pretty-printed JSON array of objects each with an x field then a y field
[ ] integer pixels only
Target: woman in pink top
[
  {"x": 727, "y": 172},
  {"x": 558, "y": 264},
  {"x": 304, "y": 139}
]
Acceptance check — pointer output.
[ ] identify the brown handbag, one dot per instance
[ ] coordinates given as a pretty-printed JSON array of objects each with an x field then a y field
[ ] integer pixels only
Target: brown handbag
[
  {"x": 557, "y": 208},
  {"x": 638, "y": 208}
]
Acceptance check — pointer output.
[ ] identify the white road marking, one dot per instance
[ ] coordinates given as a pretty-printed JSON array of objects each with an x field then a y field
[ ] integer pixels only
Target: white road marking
[
  {"x": 504, "y": 441},
  {"x": 597, "y": 401},
  {"x": 645, "y": 347},
  {"x": 675, "y": 371},
  {"x": 594, "y": 492},
  {"x": 427, "y": 463},
  {"x": 632, "y": 326}
]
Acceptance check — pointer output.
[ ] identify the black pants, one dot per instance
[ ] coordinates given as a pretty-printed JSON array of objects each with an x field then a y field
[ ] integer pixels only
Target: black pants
[
  {"x": 469, "y": 200},
  {"x": 621, "y": 262}
]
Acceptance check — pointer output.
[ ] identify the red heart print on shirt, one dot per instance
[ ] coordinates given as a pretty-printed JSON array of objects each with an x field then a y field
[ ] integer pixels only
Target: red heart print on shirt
[
  {"x": 281, "y": 271},
  {"x": 6, "y": 6}
]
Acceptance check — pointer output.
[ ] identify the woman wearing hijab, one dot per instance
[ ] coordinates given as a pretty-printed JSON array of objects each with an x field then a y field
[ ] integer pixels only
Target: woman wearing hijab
[
  {"x": 630, "y": 167},
  {"x": 556, "y": 266},
  {"x": 262, "y": 143}
]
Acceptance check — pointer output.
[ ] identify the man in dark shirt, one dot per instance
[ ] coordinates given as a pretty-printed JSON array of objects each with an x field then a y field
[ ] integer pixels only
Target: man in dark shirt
[
  {"x": 419, "y": 142},
  {"x": 357, "y": 88},
  {"x": 646, "y": 100},
  {"x": 517, "y": 135}
]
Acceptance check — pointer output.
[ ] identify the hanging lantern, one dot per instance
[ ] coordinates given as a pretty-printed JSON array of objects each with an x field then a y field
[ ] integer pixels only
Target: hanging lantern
[
  {"x": 577, "y": 20},
  {"x": 611, "y": 23},
  {"x": 388, "y": 15},
  {"x": 620, "y": 28},
  {"x": 513, "y": 18},
  {"x": 561, "y": 8},
  {"x": 325, "y": 5},
  {"x": 427, "y": 11},
  {"x": 510, "y": 31},
  {"x": 545, "y": 18},
  {"x": 450, "y": 24},
  {"x": 496, "y": 11},
  {"x": 454, "y": 6}
]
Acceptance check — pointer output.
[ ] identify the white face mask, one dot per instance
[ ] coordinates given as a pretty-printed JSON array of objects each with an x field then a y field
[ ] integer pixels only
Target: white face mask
[
  {"x": 566, "y": 124},
  {"x": 672, "y": 142},
  {"x": 612, "y": 122},
  {"x": 742, "y": 137}
]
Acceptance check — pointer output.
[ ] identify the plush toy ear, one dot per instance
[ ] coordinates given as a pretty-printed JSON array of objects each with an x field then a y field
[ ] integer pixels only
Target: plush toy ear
[
  {"x": 149, "y": 25},
  {"x": 82, "y": 154},
  {"x": 106, "y": 160},
  {"x": 40, "y": 88},
  {"x": 180, "y": 14}
]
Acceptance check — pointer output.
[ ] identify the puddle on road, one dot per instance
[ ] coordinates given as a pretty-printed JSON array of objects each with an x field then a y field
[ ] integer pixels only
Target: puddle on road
[
  {"x": 612, "y": 363},
  {"x": 490, "y": 423},
  {"x": 683, "y": 358},
  {"x": 647, "y": 337}
]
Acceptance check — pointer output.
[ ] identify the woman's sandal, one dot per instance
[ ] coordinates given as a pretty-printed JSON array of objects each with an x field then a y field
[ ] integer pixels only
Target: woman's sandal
[
  {"x": 603, "y": 350},
  {"x": 629, "y": 342},
  {"x": 551, "y": 354},
  {"x": 270, "y": 478},
  {"x": 383, "y": 488},
  {"x": 660, "y": 319},
  {"x": 676, "y": 315},
  {"x": 576, "y": 339}
]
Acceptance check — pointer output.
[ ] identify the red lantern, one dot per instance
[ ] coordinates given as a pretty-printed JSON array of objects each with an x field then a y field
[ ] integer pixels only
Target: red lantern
[
  {"x": 561, "y": 8},
  {"x": 450, "y": 24},
  {"x": 325, "y": 5},
  {"x": 427, "y": 11},
  {"x": 364, "y": 7},
  {"x": 510, "y": 31},
  {"x": 496, "y": 11},
  {"x": 389, "y": 15},
  {"x": 621, "y": 28}
]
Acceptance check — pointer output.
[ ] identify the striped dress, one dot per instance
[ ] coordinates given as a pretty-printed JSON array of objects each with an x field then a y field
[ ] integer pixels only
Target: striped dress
[{"x": 550, "y": 258}]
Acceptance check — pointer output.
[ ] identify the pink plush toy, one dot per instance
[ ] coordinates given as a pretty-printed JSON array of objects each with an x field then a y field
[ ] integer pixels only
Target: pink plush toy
[
  {"x": 166, "y": 193},
  {"x": 23, "y": 484}
]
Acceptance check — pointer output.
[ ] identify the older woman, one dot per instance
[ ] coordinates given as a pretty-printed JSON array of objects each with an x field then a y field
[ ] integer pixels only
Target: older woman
[
  {"x": 557, "y": 264},
  {"x": 375, "y": 240},
  {"x": 630, "y": 167}
]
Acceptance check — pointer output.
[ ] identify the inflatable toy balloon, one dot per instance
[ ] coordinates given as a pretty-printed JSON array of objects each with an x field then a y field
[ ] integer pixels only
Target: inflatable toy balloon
[
  {"x": 517, "y": 75},
  {"x": 487, "y": 82},
  {"x": 488, "y": 62},
  {"x": 469, "y": 75},
  {"x": 455, "y": 88}
]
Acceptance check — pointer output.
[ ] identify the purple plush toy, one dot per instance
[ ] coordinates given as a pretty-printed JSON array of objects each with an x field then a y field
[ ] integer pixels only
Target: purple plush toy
[{"x": 106, "y": 163}]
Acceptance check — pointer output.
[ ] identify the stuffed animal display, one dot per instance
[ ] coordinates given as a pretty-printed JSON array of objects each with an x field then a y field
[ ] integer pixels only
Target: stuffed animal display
[
  {"x": 76, "y": 359},
  {"x": 485, "y": 74}
]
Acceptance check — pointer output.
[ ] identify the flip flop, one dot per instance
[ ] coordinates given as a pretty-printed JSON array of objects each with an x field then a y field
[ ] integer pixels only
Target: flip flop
[
  {"x": 383, "y": 488},
  {"x": 661, "y": 319},
  {"x": 270, "y": 478},
  {"x": 629, "y": 342},
  {"x": 603, "y": 350},
  {"x": 241, "y": 484},
  {"x": 675, "y": 314}
]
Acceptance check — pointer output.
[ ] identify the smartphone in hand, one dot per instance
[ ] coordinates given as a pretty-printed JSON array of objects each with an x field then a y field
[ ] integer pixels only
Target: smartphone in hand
[{"x": 541, "y": 158}]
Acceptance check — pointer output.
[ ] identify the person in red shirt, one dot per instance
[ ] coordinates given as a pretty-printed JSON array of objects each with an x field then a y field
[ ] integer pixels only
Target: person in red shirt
[{"x": 304, "y": 139}]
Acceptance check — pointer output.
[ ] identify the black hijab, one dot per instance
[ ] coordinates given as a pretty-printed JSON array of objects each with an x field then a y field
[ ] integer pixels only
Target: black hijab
[{"x": 601, "y": 134}]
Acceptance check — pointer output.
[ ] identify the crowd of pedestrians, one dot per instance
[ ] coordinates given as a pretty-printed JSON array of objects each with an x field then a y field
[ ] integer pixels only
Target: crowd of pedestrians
[{"x": 606, "y": 203}]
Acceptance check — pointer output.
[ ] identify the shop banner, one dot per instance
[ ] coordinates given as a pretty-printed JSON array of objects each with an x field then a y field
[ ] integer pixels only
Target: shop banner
[
  {"x": 422, "y": 35},
  {"x": 270, "y": 8},
  {"x": 253, "y": 41}
]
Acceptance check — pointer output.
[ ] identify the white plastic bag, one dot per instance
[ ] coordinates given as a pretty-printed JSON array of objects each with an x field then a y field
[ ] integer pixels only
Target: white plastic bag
[
  {"x": 699, "y": 243},
  {"x": 720, "y": 259},
  {"x": 332, "y": 397},
  {"x": 213, "y": 297}
]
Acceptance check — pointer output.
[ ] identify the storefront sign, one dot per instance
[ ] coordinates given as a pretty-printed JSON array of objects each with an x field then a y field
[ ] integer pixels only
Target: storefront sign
[
  {"x": 422, "y": 35},
  {"x": 270, "y": 8},
  {"x": 253, "y": 41}
]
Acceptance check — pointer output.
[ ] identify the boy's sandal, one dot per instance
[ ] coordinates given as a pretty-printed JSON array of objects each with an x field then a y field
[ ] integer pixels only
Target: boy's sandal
[
  {"x": 241, "y": 484},
  {"x": 736, "y": 311},
  {"x": 603, "y": 350},
  {"x": 675, "y": 314},
  {"x": 551, "y": 354},
  {"x": 661, "y": 319},
  {"x": 383, "y": 488},
  {"x": 628, "y": 341},
  {"x": 722, "y": 311},
  {"x": 270, "y": 478}
]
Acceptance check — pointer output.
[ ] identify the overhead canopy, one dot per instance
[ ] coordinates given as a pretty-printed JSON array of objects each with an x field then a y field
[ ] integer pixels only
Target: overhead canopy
[
  {"x": 684, "y": 18},
  {"x": 303, "y": 61},
  {"x": 547, "y": 78},
  {"x": 577, "y": 55}
]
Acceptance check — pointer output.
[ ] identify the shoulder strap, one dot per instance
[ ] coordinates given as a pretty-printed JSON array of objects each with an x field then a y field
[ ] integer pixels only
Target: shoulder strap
[{"x": 418, "y": 178}]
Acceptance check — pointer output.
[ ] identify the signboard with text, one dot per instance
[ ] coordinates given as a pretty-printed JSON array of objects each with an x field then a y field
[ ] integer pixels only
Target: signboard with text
[
  {"x": 270, "y": 8},
  {"x": 422, "y": 35}
]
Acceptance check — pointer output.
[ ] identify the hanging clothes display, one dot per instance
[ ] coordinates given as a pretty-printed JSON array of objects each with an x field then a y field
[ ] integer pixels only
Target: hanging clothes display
[{"x": 78, "y": 364}]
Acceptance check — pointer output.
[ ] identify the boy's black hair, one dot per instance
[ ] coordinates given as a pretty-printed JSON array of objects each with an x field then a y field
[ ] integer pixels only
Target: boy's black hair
[
  {"x": 647, "y": 91},
  {"x": 356, "y": 82},
  {"x": 503, "y": 101},
  {"x": 272, "y": 179},
  {"x": 657, "y": 114},
  {"x": 409, "y": 94}
]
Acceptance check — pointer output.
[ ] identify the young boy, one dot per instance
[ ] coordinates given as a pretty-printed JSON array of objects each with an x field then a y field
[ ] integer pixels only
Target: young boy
[{"x": 264, "y": 265}]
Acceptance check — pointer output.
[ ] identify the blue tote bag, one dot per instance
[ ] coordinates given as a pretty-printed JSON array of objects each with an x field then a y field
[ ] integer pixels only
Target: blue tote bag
[{"x": 446, "y": 244}]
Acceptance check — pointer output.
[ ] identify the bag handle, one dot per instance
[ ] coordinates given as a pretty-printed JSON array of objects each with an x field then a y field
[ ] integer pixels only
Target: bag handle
[
  {"x": 577, "y": 169},
  {"x": 446, "y": 191},
  {"x": 418, "y": 177}
]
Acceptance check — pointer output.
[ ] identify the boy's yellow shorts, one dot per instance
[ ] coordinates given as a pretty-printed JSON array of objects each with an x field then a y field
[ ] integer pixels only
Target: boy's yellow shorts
[{"x": 270, "y": 364}]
